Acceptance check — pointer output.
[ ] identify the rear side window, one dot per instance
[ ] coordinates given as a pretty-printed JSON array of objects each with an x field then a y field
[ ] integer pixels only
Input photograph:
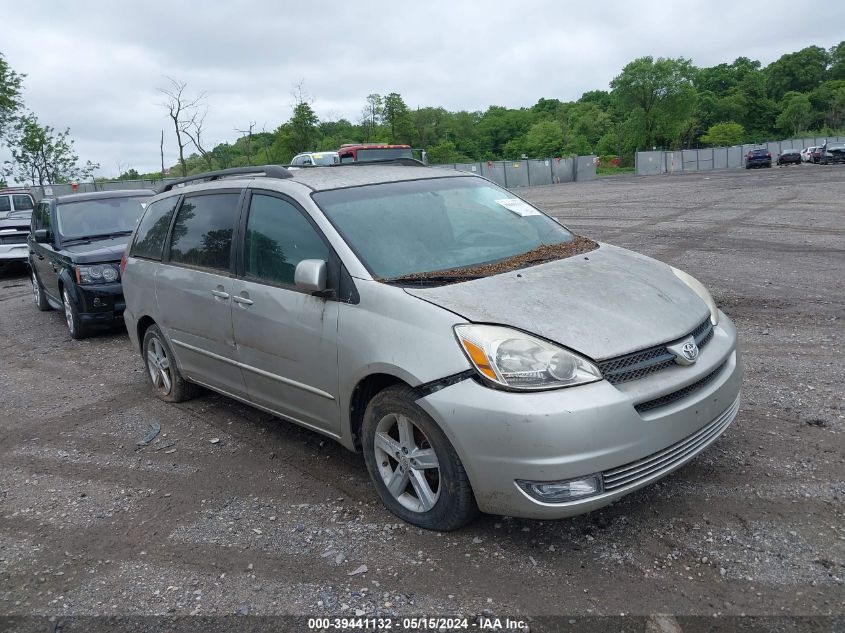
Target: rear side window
[
  {"x": 5, "y": 204},
  {"x": 202, "y": 232},
  {"x": 152, "y": 230},
  {"x": 278, "y": 237}
]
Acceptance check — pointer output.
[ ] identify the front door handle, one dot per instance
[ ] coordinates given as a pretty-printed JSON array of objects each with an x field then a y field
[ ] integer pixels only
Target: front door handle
[
  {"x": 242, "y": 300},
  {"x": 220, "y": 294}
]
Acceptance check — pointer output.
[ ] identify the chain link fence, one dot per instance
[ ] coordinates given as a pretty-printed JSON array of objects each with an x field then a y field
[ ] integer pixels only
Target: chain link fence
[{"x": 690, "y": 160}]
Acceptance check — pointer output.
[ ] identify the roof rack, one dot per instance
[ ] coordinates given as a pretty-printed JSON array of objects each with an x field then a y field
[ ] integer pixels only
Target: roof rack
[{"x": 270, "y": 171}]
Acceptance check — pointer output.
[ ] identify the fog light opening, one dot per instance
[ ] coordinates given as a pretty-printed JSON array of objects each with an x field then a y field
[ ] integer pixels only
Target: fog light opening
[{"x": 563, "y": 491}]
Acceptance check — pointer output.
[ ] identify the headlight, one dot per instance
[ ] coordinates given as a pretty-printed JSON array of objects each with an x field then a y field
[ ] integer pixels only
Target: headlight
[
  {"x": 698, "y": 288},
  {"x": 513, "y": 359},
  {"x": 97, "y": 274}
]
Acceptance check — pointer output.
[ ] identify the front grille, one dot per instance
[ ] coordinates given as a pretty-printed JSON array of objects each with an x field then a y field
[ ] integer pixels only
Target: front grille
[
  {"x": 669, "y": 398},
  {"x": 647, "y": 361},
  {"x": 13, "y": 239},
  {"x": 667, "y": 459}
]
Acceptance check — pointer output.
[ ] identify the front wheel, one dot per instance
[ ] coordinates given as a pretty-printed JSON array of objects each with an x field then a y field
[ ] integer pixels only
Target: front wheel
[
  {"x": 415, "y": 469},
  {"x": 74, "y": 323}
]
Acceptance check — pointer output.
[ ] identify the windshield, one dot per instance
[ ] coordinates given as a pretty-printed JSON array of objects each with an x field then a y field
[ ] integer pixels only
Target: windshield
[
  {"x": 383, "y": 153},
  {"x": 408, "y": 228},
  {"x": 325, "y": 159},
  {"x": 99, "y": 217},
  {"x": 831, "y": 146}
]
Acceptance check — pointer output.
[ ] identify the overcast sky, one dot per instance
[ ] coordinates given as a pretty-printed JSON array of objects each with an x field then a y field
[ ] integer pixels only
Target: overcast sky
[{"x": 96, "y": 66}]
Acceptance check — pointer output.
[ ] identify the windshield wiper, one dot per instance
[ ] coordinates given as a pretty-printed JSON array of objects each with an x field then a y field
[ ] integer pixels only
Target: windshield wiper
[
  {"x": 433, "y": 279},
  {"x": 98, "y": 236}
]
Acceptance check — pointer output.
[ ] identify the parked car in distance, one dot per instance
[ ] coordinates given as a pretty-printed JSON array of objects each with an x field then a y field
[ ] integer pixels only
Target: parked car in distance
[
  {"x": 758, "y": 158},
  {"x": 832, "y": 152},
  {"x": 807, "y": 154},
  {"x": 75, "y": 247},
  {"x": 16, "y": 206},
  {"x": 815, "y": 157},
  {"x": 315, "y": 159},
  {"x": 789, "y": 157},
  {"x": 480, "y": 354}
]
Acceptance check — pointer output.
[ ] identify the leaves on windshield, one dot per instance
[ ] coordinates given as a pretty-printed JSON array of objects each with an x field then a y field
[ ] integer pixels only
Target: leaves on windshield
[{"x": 539, "y": 255}]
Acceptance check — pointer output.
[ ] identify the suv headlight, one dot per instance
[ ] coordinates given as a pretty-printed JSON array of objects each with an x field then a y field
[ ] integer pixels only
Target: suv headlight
[
  {"x": 516, "y": 360},
  {"x": 698, "y": 288},
  {"x": 97, "y": 274}
]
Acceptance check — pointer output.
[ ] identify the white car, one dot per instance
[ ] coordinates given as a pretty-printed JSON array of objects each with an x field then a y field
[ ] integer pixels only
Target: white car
[
  {"x": 315, "y": 159},
  {"x": 807, "y": 154}
]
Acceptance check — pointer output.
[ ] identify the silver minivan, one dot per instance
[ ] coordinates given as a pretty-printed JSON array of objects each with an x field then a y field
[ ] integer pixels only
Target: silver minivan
[{"x": 481, "y": 355}]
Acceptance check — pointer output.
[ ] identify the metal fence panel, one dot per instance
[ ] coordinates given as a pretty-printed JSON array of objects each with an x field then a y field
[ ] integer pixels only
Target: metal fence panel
[
  {"x": 720, "y": 158},
  {"x": 735, "y": 156},
  {"x": 585, "y": 168},
  {"x": 474, "y": 168},
  {"x": 650, "y": 163},
  {"x": 690, "y": 159},
  {"x": 495, "y": 171},
  {"x": 539, "y": 172},
  {"x": 705, "y": 159},
  {"x": 674, "y": 162},
  {"x": 563, "y": 169},
  {"x": 516, "y": 171}
]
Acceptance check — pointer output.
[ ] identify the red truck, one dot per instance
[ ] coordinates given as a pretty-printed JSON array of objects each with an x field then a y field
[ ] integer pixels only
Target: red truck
[{"x": 364, "y": 152}]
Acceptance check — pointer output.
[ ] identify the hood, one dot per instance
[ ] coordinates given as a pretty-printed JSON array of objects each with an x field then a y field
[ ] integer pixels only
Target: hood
[
  {"x": 604, "y": 303},
  {"x": 97, "y": 251}
]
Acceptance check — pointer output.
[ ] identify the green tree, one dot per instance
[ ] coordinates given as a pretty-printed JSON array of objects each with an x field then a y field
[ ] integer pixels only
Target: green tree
[
  {"x": 796, "y": 113},
  {"x": 371, "y": 116},
  {"x": 660, "y": 96},
  {"x": 397, "y": 118},
  {"x": 828, "y": 102},
  {"x": 724, "y": 134},
  {"x": 42, "y": 156},
  {"x": 543, "y": 139},
  {"x": 837, "y": 62},
  {"x": 797, "y": 72},
  {"x": 10, "y": 95}
]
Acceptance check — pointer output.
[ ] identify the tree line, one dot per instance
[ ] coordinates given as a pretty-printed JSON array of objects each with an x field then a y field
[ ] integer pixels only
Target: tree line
[{"x": 664, "y": 103}]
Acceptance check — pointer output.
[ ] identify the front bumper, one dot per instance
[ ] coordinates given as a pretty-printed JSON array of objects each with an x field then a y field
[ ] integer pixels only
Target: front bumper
[
  {"x": 570, "y": 433},
  {"x": 100, "y": 304}
]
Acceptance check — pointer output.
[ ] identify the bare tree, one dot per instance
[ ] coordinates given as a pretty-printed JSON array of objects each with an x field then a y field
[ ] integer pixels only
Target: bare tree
[
  {"x": 248, "y": 144},
  {"x": 194, "y": 132},
  {"x": 182, "y": 110}
]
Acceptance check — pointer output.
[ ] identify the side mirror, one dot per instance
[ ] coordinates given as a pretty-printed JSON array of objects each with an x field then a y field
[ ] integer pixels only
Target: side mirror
[
  {"x": 41, "y": 236},
  {"x": 310, "y": 276}
]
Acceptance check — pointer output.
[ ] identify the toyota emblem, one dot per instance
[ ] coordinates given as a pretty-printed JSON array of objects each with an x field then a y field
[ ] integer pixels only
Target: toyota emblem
[{"x": 690, "y": 351}]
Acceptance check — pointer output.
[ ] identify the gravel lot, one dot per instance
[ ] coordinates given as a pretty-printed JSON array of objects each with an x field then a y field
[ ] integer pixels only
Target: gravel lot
[{"x": 231, "y": 511}]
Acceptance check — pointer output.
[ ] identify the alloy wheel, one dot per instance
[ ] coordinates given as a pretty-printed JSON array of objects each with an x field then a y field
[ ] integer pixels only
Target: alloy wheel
[
  {"x": 407, "y": 463},
  {"x": 71, "y": 324},
  {"x": 158, "y": 364}
]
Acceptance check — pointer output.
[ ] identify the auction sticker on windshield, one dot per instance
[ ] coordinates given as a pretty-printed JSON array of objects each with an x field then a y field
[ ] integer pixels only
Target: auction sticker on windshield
[{"x": 520, "y": 207}]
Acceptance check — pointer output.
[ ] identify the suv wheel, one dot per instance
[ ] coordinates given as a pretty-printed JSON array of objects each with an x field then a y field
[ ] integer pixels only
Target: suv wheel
[
  {"x": 74, "y": 323},
  {"x": 38, "y": 292},
  {"x": 414, "y": 467},
  {"x": 167, "y": 382}
]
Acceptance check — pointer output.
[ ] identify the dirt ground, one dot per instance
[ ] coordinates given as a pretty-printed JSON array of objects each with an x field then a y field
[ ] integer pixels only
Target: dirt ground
[{"x": 231, "y": 511}]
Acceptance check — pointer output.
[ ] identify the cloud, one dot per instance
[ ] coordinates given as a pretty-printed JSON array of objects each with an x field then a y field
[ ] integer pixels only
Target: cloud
[{"x": 96, "y": 67}]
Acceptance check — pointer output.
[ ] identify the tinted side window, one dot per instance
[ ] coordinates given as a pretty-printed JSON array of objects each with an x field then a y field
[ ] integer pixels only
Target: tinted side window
[
  {"x": 5, "y": 204},
  {"x": 278, "y": 237},
  {"x": 152, "y": 229},
  {"x": 202, "y": 233},
  {"x": 44, "y": 219}
]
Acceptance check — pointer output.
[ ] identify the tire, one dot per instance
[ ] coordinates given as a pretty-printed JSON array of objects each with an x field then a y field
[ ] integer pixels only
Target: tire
[
  {"x": 165, "y": 378},
  {"x": 75, "y": 326},
  {"x": 394, "y": 430},
  {"x": 38, "y": 292}
]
